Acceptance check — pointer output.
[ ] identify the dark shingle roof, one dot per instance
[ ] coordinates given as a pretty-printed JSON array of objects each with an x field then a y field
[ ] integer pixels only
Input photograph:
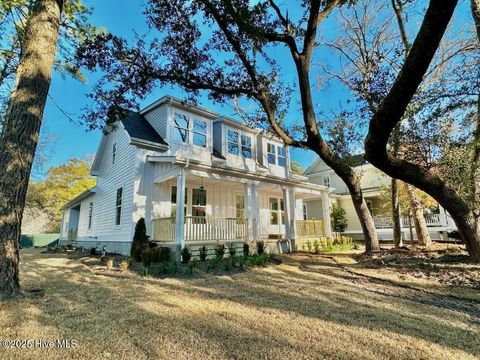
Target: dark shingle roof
[{"x": 138, "y": 127}]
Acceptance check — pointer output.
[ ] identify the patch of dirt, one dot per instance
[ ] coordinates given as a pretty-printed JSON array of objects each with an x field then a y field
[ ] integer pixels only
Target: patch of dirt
[{"x": 444, "y": 264}]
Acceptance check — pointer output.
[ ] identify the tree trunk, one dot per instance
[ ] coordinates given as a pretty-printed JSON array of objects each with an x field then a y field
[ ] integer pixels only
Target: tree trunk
[
  {"x": 366, "y": 220},
  {"x": 423, "y": 236},
  {"x": 21, "y": 130},
  {"x": 397, "y": 233}
]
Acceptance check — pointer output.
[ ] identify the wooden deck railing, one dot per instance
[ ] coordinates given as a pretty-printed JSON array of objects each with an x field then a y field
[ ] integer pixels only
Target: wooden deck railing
[
  {"x": 310, "y": 228},
  {"x": 385, "y": 222},
  {"x": 200, "y": 228}
]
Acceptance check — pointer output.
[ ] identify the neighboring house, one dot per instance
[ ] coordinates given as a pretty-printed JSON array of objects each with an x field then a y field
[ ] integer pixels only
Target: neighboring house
[
  {"x": 373, "y": 183},
  {"x": 196, "y": 177}
]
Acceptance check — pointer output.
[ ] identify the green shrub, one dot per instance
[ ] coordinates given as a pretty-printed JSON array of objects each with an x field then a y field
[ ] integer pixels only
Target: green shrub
[
  {"x": 220, "y": 251},
  {"x": 163, "y": 254},
  {"x": 148, "y": 256},
  {"x": 227, "y": 265},
  {"x": 309, "y": 245},
  {"x": 257, "y": 260},
  {"x": 146, "y": 271},
  {"x": 192, "y": 267},
  {"x": 186, "y": 256},
  {"x": 203, "y": 253},
  {"x": 213, "y": 264},
  {"x": 454, "y": 234},
  {"x": 246, "y": 249},
  {"x": 338, "y": 219},
  {"x": 232, "y": 250},
  {"x": 140, "y": 240},
  {"x": 260, "y": 247},
  {"x": 316, "y": 246}
]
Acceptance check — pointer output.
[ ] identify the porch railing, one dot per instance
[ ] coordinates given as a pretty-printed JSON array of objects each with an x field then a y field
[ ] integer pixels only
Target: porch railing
[
  {"x": 307, "y": 228},
  {"x": 200, "y": 228},
  {"x": 385, "y": 222}
]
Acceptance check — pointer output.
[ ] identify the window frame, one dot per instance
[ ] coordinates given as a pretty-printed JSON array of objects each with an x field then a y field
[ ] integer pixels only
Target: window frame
[
  {"x": 235, "y": 144},
  {"x": 114, "y": 153},
  {"x": 90, "y": 216},
  {"x": 118, "y": 206},
  {"x": 173, "y": 204},
  {"x": 270, "y": 154},
  {"x": 196, "y": 207},
  {"x": 191, "y": 131},
  {"x": 327, "y": 177},
  {"x": 279, "y": 212},
  {"x": 240, "y": 210},
  {"x": 281, "y": 154}
]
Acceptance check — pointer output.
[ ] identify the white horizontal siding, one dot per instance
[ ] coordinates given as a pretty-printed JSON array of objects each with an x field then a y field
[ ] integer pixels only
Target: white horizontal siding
[{"x": 158, "y": 119}]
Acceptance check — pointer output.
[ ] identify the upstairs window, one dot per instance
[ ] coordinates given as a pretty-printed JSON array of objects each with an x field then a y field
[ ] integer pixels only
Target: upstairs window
[
  {"x": 199, "y": 133},
  {"x": 232, "y": 139},
  {"x": 281, "y": 156},
  {"x": 276, "y": 155},
  {"x": 118, "y": 206},
  {"x": 114, "y": 153},
  {"x": 182, "y": 126},
  {"x": 271, "y": 153},
  {"x": 246, "y": 142},
  {"x": 90, "y": 215},
  {"x": 326, "y": 180}
]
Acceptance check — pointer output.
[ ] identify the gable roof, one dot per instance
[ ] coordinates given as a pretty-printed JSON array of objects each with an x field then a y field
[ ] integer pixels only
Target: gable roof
[
  {"x": 352, "y": 160},
  {"x": 138, "y": 128}
]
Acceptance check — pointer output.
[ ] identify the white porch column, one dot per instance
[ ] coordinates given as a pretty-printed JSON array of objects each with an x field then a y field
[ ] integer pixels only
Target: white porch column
[
  {"x": 255, "y": 211},
  {"x": 248, "y": 196},
  {"x": 180, "y": 214},
  {"x": 293, "y": 214},
  {"x": 326, "y": 214},
  {"x": 288, "y": 215}
]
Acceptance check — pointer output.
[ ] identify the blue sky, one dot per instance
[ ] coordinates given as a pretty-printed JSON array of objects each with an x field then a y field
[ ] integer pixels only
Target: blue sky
[
  {"x": 124, "y": 18},
  {"x": 121, "y": 17}
]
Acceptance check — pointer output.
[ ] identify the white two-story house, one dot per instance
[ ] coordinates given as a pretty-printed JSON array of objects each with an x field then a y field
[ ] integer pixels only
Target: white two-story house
[{"x": 197, "y": 177}]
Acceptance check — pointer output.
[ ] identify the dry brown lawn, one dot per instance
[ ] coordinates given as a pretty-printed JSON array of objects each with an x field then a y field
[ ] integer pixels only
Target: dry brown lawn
[{"x": 309, "y": 307}]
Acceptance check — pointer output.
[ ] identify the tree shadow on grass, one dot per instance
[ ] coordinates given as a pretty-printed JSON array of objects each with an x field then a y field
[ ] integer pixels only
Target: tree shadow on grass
[{"x": 277, "y": 312}]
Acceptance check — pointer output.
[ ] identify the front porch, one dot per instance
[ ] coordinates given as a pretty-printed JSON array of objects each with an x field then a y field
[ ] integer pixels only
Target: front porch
[{"x": 190, "y": 206}]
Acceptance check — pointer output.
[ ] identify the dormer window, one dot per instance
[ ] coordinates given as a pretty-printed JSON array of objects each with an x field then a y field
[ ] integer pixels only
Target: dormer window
[
  {"x": 246, "y": 146},
  {"x": 190, "y": 131},
  {"x": 114, "y": 153},
  {"x": 276, "y": 155},
  {"x": 199, "y": 133},
  {"x": 239, "y": 144},
  {"x": 233, "y": 142},
  {"x": 182, "y": 125}
]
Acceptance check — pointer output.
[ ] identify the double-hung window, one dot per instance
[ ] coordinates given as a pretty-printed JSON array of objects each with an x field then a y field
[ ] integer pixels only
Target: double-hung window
[
  {"x": 189, "y": 131},
  {"x": 199, "y": 133},
  {"x": 326, "y": 180},
  {"x": 276, "y": 155},
  {"x": 277, "y": 213},
  {"x": 182, "y": 127},
  {"x": 90, "y": 215},
  {"x": 238, "y": 143},
  {"x": 199, "y": 202},
  {"x": 271, "y": 153},
  {"x": 118, "y": 206},
  {"x": 240, "y": 206},
  {"x": 281, "y": 156},
  {"x": 232, "y": 142},
  {"x": 246, "y": 143}
]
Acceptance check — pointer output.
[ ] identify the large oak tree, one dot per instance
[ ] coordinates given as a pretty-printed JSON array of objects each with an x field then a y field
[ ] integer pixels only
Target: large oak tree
[{"x": 20, "y": 134}]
